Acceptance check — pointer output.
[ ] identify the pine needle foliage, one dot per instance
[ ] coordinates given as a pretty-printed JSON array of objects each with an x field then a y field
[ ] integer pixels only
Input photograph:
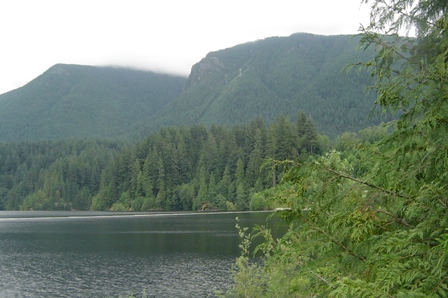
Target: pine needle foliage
[{"x": 382, "y": 232}]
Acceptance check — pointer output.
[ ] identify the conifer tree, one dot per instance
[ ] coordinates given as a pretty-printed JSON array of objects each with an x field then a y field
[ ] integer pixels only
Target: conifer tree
[
  {"x": 161, "y": 191},
  {"x": 239, "y": 174},
  {"x": 134, "y": 179},
  {"x": 255, "y": 160},
  {"x": 271, "y": 148},
  {"x": 145, "y": 184},
  {"x": 202, "y": 196},
  {"x": 212, "y": 193},
  {"x": 224, "y": 184}
]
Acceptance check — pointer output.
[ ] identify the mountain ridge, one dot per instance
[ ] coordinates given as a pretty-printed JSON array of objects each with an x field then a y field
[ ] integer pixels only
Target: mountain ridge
[
  {"x": 265, "y": 78},
  {"x": 278, "y": 75},
  {"x": 71, "y": 100}
]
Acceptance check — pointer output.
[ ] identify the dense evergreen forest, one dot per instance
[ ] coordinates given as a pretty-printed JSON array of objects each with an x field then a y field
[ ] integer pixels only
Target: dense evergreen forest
[
  {"x": 52, "y": 175},
  {"x": 177, "y": 168}
]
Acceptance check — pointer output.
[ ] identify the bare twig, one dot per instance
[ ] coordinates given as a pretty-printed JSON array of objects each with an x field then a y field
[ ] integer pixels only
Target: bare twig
[
  {"x": 367, "y": 183},
  {"x": 397, "y": 219}
]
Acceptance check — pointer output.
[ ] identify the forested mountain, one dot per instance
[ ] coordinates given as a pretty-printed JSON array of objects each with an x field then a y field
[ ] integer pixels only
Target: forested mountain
[
  {"x": 200, "y": 141},
  {"x": 278, "y": 75},
  {"x": 84, "y": 101},
  {"x": 265, "y": 78}
]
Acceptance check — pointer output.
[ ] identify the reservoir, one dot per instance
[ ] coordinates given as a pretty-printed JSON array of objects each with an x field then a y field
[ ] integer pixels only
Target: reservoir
[{"x": 104, "y": 254}]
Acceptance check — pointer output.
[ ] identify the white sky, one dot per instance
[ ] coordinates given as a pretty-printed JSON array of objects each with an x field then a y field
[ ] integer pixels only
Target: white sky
[{"x": 159, "y": 35}]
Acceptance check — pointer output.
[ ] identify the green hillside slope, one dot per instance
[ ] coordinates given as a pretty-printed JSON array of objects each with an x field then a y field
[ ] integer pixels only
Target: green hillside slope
[
  {"x": 266, "y": 78},
  {"x": 84, "y": 101},
  {"x": 278, "y": 75}
]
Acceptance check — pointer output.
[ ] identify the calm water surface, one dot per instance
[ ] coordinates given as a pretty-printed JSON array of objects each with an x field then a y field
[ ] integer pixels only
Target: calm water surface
[{"x": 101, "y": 254}]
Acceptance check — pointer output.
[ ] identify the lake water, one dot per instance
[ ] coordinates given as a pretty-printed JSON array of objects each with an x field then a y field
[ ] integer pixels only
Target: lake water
[{"x": 102, "y": 254}]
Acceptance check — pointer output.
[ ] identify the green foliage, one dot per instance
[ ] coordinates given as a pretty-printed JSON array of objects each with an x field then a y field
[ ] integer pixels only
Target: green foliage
[
  {"x": 197, "y": 168},
  {"x": 174, "y": 169},
  {"x": 249, "y": 277},
  {"x": 143, "y": 295},
  {"x": 117, "y": 206},
  {"x": 372, "y": 221}
]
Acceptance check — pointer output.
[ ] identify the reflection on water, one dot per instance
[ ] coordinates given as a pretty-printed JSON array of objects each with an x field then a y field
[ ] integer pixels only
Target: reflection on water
[{"x": 91, "y": 254}]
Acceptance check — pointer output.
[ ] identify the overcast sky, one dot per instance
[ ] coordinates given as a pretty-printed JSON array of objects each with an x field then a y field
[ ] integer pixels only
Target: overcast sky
[{"x": 158, "y": 35}]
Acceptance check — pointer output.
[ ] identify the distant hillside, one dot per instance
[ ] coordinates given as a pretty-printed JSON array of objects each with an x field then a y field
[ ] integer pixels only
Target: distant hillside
[
  {"x": 278, "y": 75},
  {"x": 84, "y": 101},
  {"x": 266, "y": 78}
]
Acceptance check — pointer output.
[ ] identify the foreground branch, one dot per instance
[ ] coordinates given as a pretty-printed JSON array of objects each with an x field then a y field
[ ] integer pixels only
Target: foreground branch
[{"x": 367, "y": 184}]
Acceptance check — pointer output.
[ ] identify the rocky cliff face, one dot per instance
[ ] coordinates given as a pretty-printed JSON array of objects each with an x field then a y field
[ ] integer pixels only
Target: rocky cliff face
[{"x": 207, "y": 68}]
